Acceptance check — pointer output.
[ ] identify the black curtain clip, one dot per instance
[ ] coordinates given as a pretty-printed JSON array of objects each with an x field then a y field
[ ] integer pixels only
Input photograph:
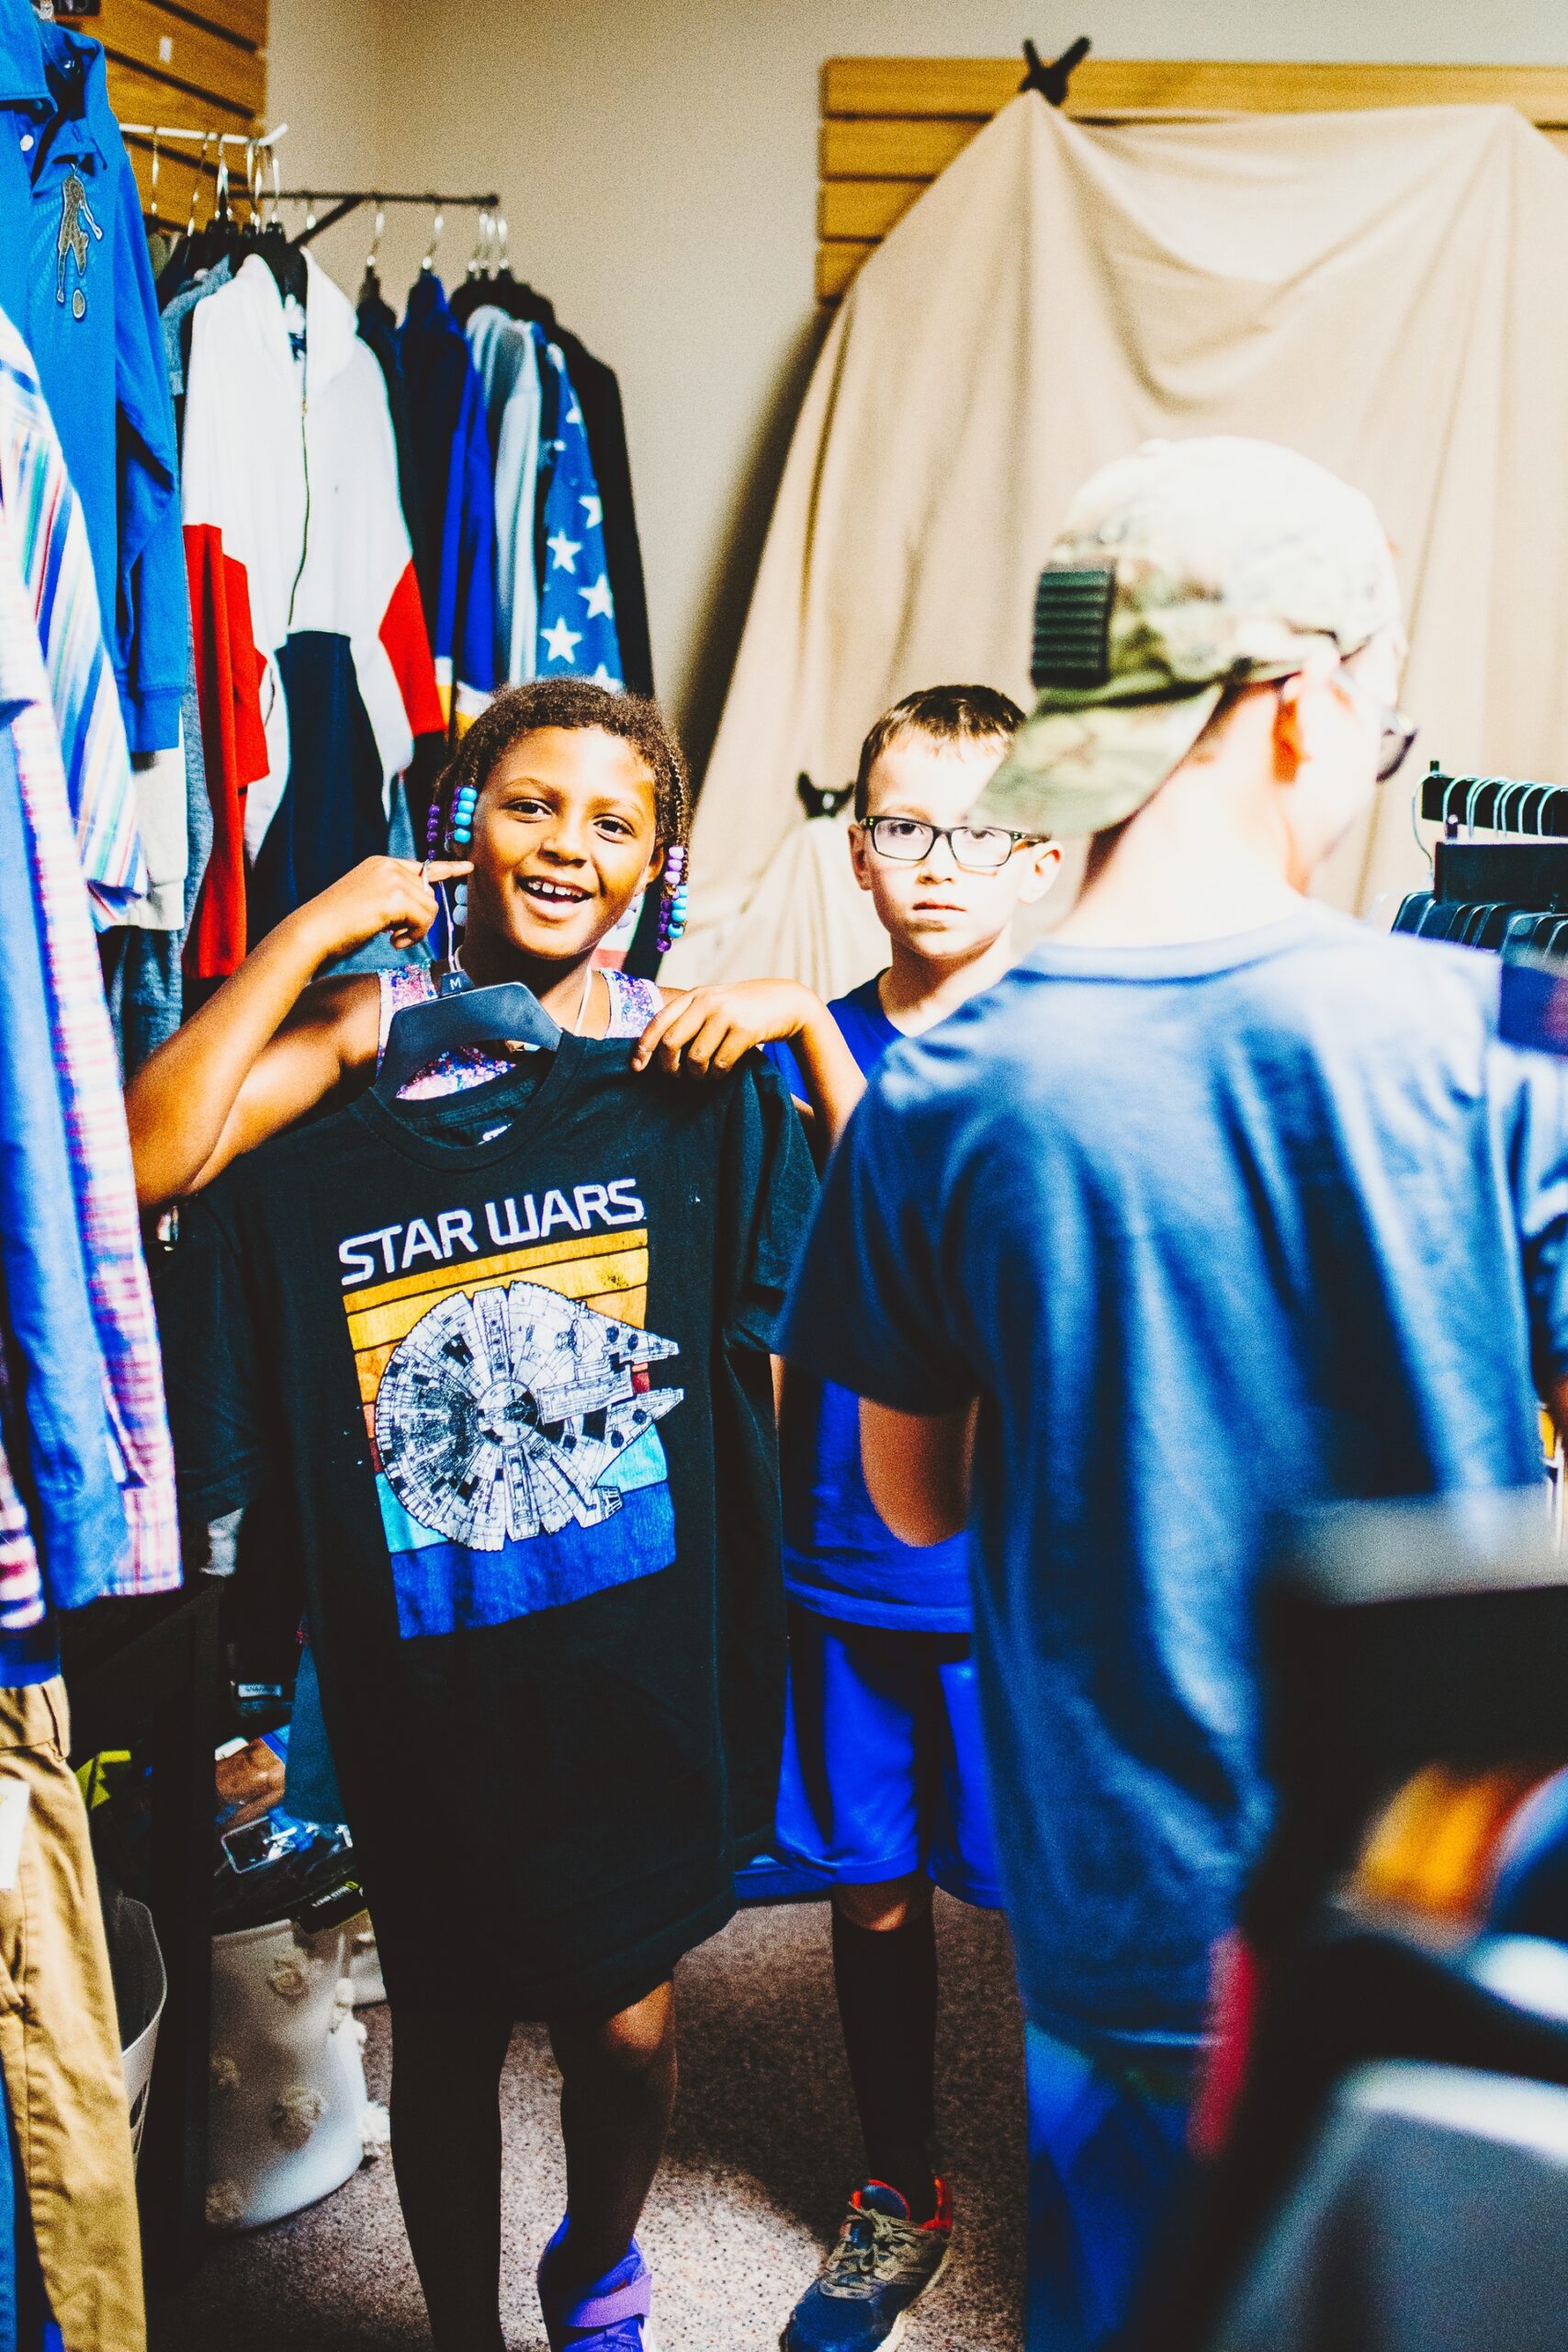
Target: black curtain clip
[{"x": 1051, "y": 81}]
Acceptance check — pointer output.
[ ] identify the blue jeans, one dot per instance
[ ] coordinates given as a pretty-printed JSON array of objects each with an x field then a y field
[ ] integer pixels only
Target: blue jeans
[{"x": 1107, "y": 2147}]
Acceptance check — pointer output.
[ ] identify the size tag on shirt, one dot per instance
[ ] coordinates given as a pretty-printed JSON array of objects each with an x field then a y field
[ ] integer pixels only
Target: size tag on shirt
[{"x": 16, "y": 1802}]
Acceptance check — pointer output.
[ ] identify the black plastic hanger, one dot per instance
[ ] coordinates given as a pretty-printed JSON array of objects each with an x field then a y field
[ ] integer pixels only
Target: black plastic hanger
[{"x": 508, "y": 1014}]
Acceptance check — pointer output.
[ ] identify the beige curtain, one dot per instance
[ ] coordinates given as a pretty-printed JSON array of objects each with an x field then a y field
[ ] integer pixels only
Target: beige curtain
[{"x": 1387, "y": 292}]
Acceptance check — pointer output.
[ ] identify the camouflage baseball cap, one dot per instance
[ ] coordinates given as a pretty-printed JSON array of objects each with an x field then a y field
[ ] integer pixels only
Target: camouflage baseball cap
[{"x": 1189, "y": 567}]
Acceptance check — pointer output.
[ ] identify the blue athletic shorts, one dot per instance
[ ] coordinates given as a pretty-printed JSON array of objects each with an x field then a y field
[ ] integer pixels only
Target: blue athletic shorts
[{"x": 883, "y": 1772}]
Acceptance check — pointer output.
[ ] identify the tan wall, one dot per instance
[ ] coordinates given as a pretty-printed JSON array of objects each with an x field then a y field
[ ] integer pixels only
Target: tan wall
[{"x": 658, "y": 161}]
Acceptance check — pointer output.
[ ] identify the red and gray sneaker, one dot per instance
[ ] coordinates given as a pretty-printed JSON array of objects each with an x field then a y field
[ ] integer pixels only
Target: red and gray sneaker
[
  {"x": 612, "y": 2317},
  {"x": 881, "y": 2265}
]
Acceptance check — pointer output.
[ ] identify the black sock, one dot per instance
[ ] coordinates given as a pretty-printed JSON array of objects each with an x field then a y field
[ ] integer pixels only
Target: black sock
[{"x": 887, "y": 1986}]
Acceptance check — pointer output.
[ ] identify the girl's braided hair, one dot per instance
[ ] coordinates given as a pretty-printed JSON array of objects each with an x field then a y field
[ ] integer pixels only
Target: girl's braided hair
[{"x": 571, "y": 704}]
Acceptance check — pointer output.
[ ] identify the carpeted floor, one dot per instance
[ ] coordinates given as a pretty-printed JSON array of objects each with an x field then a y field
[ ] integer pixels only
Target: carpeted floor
[{"x": 763, "y": 2150}]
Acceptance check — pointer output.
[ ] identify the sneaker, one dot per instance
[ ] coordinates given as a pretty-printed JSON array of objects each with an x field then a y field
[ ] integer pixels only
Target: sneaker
[
  {"x": 882, "y": 2265},
  {"x": 612, "y": 2317}
]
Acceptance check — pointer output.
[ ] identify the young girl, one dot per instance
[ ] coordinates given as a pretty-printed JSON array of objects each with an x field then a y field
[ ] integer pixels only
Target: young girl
[{"x": 588, "y": 1759}]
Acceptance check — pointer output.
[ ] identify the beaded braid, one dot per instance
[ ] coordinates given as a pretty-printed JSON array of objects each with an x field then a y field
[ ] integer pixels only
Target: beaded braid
[{"x": 571, "y": 703}]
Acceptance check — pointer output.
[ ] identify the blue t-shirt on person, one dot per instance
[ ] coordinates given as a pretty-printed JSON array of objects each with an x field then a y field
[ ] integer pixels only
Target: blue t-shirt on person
[
  {"x": 1214, "y": 1231},
  {"x": 840, "y": 1560}
]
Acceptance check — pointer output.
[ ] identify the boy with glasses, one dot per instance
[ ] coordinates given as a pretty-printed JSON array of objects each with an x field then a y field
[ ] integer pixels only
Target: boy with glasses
[
  {"x": 1219, "y": 1207},
  {"x": 883, "y": 1787}
]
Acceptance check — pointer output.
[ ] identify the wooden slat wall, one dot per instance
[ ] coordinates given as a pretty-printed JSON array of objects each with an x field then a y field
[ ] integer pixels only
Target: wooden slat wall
[
  {"x": 891, "y": 124},
  {"x": 203, "y": 64}
]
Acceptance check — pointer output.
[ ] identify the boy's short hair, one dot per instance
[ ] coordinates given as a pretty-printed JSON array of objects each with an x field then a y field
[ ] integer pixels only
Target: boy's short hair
[{"x": 945, "y": 715}]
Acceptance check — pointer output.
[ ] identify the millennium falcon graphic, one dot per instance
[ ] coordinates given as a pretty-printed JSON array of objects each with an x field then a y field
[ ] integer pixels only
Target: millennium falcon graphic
[{"x": 498, "y": 1414}]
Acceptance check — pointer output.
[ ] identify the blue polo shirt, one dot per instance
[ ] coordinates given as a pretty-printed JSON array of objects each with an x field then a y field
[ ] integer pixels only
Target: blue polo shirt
[
  {"x": 840, "y": 1558},
  {"x": 76, "y": 283},
  {"x": 1213, "y": 1232}
]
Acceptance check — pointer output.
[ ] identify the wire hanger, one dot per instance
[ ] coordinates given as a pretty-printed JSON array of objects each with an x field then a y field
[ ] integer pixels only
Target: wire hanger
[
  {"x": 428, "y": 265},
  {"x": 370, "y": 284},
  {"x": 481, "y": 261}
]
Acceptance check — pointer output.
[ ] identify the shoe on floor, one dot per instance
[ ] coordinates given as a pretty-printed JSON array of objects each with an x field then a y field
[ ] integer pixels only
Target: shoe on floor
[
  {"x": 612, "y": 2317},
  {"x": 882, "y": 2264}
]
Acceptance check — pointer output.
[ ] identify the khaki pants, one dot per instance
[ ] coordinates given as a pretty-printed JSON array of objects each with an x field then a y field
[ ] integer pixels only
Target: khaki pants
[{"x": 60, "y": 2042}]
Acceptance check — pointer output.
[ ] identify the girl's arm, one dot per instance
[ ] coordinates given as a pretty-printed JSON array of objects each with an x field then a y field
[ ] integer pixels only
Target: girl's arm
[
  {"x": 917, "y": 1468},
  {"x": 268, "y": 1047},
  {"x": 708, "y": 1030}
]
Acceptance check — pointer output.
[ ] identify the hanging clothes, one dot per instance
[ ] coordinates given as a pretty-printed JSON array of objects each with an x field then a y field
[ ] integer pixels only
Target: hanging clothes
[
  {"x": 313, "y": 665},
  {"x": 577, "y": 606},
  {"x": 599, "y": 398},
  {"x": 60, "y": 2052},
  {"x": 102, "y": 1185},
  {"x": 457, "y": 497},
  {"x": 376, "y": 322},
  {"x": 49, "y": 540},
  {"x": 75, "y": 280},
  {"x": 506, "y": 357},
  {"x": 51, "y": 1366}
]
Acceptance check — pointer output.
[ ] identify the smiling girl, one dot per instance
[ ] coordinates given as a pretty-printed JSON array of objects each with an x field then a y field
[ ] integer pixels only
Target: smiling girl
[
  {"x": 563, "y": 802},
  {"x": 574, "y": 798}
]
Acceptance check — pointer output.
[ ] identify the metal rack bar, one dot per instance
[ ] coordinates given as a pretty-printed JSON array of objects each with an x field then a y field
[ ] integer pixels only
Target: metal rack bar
[
  {"x": 210, "y": 137},
  {"x": 344, "y": 202}
]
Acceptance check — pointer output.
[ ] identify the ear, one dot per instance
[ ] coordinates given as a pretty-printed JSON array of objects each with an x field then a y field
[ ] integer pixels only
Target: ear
[
  {"x": 1042, "y": 863},
  {"x": 860, "y": 854},
  {"x": 654, "y": 867},
  {"x": 1289, "y": 730}
]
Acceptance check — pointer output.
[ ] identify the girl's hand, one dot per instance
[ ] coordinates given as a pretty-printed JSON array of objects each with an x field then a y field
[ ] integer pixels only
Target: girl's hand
[
  {"x": 707, "y": 1031},
  {"x": 382, "y": 893}
]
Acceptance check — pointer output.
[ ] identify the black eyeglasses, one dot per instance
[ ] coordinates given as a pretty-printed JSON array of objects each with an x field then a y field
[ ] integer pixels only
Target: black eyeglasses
[{"x": 979, "y": 848}]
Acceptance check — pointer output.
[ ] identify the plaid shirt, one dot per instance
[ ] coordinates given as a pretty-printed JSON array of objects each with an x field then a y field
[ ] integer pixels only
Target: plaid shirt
[
  {"x": 88, "y": 1071},
  {"x": 50, "y": 539}
]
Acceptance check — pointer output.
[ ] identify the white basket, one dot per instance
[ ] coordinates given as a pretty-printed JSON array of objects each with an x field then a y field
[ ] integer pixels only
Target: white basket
[
  {"x": 289, "y": 2098},
  {"x": 141, "y": 1988}
]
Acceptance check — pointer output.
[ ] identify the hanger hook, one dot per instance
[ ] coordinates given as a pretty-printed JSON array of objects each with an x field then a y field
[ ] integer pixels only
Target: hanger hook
[
  {"x": 376, "y": 238},
  {"x": 481, "y": 244},
  {"x": 436, "y": 228},
  {"x": 1473, "y": 786},
  {"x": 276, "y": 186},
  {"x": 152, "y": 183},
  {"x": 196, "y": 183}
]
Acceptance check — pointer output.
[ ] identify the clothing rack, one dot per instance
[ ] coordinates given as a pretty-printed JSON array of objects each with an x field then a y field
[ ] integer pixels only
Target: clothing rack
[
  {"x": 346, "y": 200},
  {"x": 1495, "y": 803},
  {"x": 1511, "y": 894}
]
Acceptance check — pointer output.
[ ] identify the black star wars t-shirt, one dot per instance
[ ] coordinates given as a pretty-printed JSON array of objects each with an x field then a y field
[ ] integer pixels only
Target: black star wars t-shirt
[{"x": 502, "y": 1358}]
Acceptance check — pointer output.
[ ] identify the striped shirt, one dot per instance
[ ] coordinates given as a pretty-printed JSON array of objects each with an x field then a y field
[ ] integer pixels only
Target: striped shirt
[
  {"x": 50, "y": 538},
  {"x": 87, "y": 1068}
]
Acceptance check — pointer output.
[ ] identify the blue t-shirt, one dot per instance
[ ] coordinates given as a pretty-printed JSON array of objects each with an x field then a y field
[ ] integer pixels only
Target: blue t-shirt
[
  {"x": 840, "y": 1559},
  {"x": 1214, "y": 1231}
]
